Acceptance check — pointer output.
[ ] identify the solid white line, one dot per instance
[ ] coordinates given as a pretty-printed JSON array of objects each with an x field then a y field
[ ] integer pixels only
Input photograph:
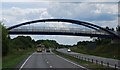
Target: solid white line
[
  {"x": 71, "y": 62},
  {"x": 25, "y": 61}
]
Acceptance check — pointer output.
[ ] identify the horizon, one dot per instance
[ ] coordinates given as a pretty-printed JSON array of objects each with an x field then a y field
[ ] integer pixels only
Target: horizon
[
  {"x": 51, "y": 40},
  {"x": 102, "y": 14}
]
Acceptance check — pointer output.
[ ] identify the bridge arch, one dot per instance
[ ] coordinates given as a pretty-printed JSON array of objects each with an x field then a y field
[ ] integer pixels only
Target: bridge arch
[{"x": 86, "y": 24}]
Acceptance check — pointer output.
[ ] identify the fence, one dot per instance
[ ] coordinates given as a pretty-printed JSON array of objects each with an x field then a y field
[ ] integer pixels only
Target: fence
[{"x": 95, "y": 61}]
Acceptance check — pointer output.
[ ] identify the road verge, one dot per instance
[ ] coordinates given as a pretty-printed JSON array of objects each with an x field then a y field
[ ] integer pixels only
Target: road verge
[
  {"x": 89, "y": 65},
  {"x": 12, "y": 60}
]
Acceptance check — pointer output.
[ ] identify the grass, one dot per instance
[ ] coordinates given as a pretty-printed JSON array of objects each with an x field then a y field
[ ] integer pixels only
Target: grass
[
  {"x": 12, "y": 60},
  {"x": 0, "y": 62},
  {"x": 86, "y": 64},
  {"x": 107, "y": 51}
]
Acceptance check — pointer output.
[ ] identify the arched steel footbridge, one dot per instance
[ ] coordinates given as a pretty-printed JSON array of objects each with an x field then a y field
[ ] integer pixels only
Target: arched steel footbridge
[{"x": 98, "y": 31}]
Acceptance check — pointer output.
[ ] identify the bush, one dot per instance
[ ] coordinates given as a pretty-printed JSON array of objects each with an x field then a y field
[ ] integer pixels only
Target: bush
[{"x": 5, "y": 41}]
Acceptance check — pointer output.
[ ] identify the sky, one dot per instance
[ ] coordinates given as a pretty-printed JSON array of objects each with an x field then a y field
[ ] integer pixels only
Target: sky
[{"x": 99, "y": 12}]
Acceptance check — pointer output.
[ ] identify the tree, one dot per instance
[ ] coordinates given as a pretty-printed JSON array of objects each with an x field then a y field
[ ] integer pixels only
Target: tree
[
  {"x": 48, "y": 43},
  {"x": 107, "y": 28},
  {"x": 5, "y": 40},
  {"x": 118, "y": 28},
  {"x": 112, "y": 29},
  {"x": 23, "y": 42}
]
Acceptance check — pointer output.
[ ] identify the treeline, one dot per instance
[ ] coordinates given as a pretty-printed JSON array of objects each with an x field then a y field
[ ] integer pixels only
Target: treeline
[
  {"x": 52, "y": 44},
  {"x": 98, "y": 47},
  {"x": 20, "y": 43},
  {"x": 87, "y": 46},
  {"x": 112, "y": 29},
  {"x": 48, "y": 43},
  {"x": 5, "y": 40}
]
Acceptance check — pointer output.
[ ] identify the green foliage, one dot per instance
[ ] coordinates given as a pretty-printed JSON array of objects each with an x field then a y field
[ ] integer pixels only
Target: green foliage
[
  {"x": 15, "y": 50},
  {"x": 118, "y": 28},
  {"x": 48, "y": 43},
  {"x": 52, "y": 44},
  {"x": 18, "y": 43},
  {"x": 108, "y": 50},
  {"x": 64, "y": 46},
  {"x": 112, "y": 29},
  {"x": 22, "y": 42},
  {"x": 102, "y": 41},
  {"x": 82, "y": 62},
  {"x": 5, "y": 41},
  {"x": 12, "y": 60},
  {"x": 103, "y": 48}
]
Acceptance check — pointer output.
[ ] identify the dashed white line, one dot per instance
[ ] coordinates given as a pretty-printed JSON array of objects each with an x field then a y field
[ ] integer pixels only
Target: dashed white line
[
  {"x": 47, "y": 62},
  {"x": 50, "y": 66}
]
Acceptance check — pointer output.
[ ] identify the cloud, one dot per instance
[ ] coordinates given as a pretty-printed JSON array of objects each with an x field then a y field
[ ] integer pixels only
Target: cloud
[
  {"x": 100, "y": 14},
  {"x": 83, "y": 11},
  {"x": 60, "y": 0},
  {"x": 111, "y": 24},
  {"x": 16, "y": 15}
]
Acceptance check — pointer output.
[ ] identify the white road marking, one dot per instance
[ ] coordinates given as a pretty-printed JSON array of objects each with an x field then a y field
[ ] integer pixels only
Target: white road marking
[
  {"x": 71, "y": 62},
  {"x": 26, "y": 61},
  {"x": 50, "y": 66},
  {"x": 47, "y": 62}
]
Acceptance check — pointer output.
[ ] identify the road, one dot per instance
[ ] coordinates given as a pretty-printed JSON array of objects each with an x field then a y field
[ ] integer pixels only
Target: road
[
  {"x": 48, "y": 60},
  {"x": 111, "y": 62}
]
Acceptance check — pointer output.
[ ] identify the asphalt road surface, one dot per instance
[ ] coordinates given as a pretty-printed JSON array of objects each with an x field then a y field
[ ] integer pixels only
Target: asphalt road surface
[
  {"x": 111, "y": 62},
  {"x": 48, "y": 60}
]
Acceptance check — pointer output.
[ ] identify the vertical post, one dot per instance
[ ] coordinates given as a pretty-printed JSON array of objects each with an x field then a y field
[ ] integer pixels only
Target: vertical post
[
  {"x": 88, "y": 59},
  {"x": 115, "y": 66},
  {"x": 77, "y": 56},
  {"x": 96, "y": 61},
  {"x": 92, "y": 60},
  {"x": 102, "y": 63},
  {"x": 107, "y": 64}
]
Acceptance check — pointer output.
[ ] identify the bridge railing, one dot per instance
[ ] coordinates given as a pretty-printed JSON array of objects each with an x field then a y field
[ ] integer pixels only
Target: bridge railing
[{"x": 60, "y": 29}]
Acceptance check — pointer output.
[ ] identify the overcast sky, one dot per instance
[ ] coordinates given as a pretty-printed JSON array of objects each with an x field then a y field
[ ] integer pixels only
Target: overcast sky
[{"x": 99, "y": 12}]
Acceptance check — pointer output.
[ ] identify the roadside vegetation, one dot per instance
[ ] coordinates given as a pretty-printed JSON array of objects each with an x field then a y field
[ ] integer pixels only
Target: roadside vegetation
[
  {"x": 15, "y": 50},
  {"x": 104, "y": 50},
  {"x": 99, "y": 47},
  {"x": 89, "y": 65},
  {"x": 12, "y": 61},
  {"x": 48, "y": 43},
  {"x": 52, "y": 44}
]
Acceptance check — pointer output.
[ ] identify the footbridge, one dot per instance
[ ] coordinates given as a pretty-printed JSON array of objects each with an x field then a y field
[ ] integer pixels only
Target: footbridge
[{"x": 93, "y": 31}]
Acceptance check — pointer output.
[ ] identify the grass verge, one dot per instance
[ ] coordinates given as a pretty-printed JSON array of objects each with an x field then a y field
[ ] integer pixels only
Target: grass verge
[
  {"x": 12, "y": 60},
  {"x": 89, "y": 65},
  {"x": 106, "y": 50}
]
